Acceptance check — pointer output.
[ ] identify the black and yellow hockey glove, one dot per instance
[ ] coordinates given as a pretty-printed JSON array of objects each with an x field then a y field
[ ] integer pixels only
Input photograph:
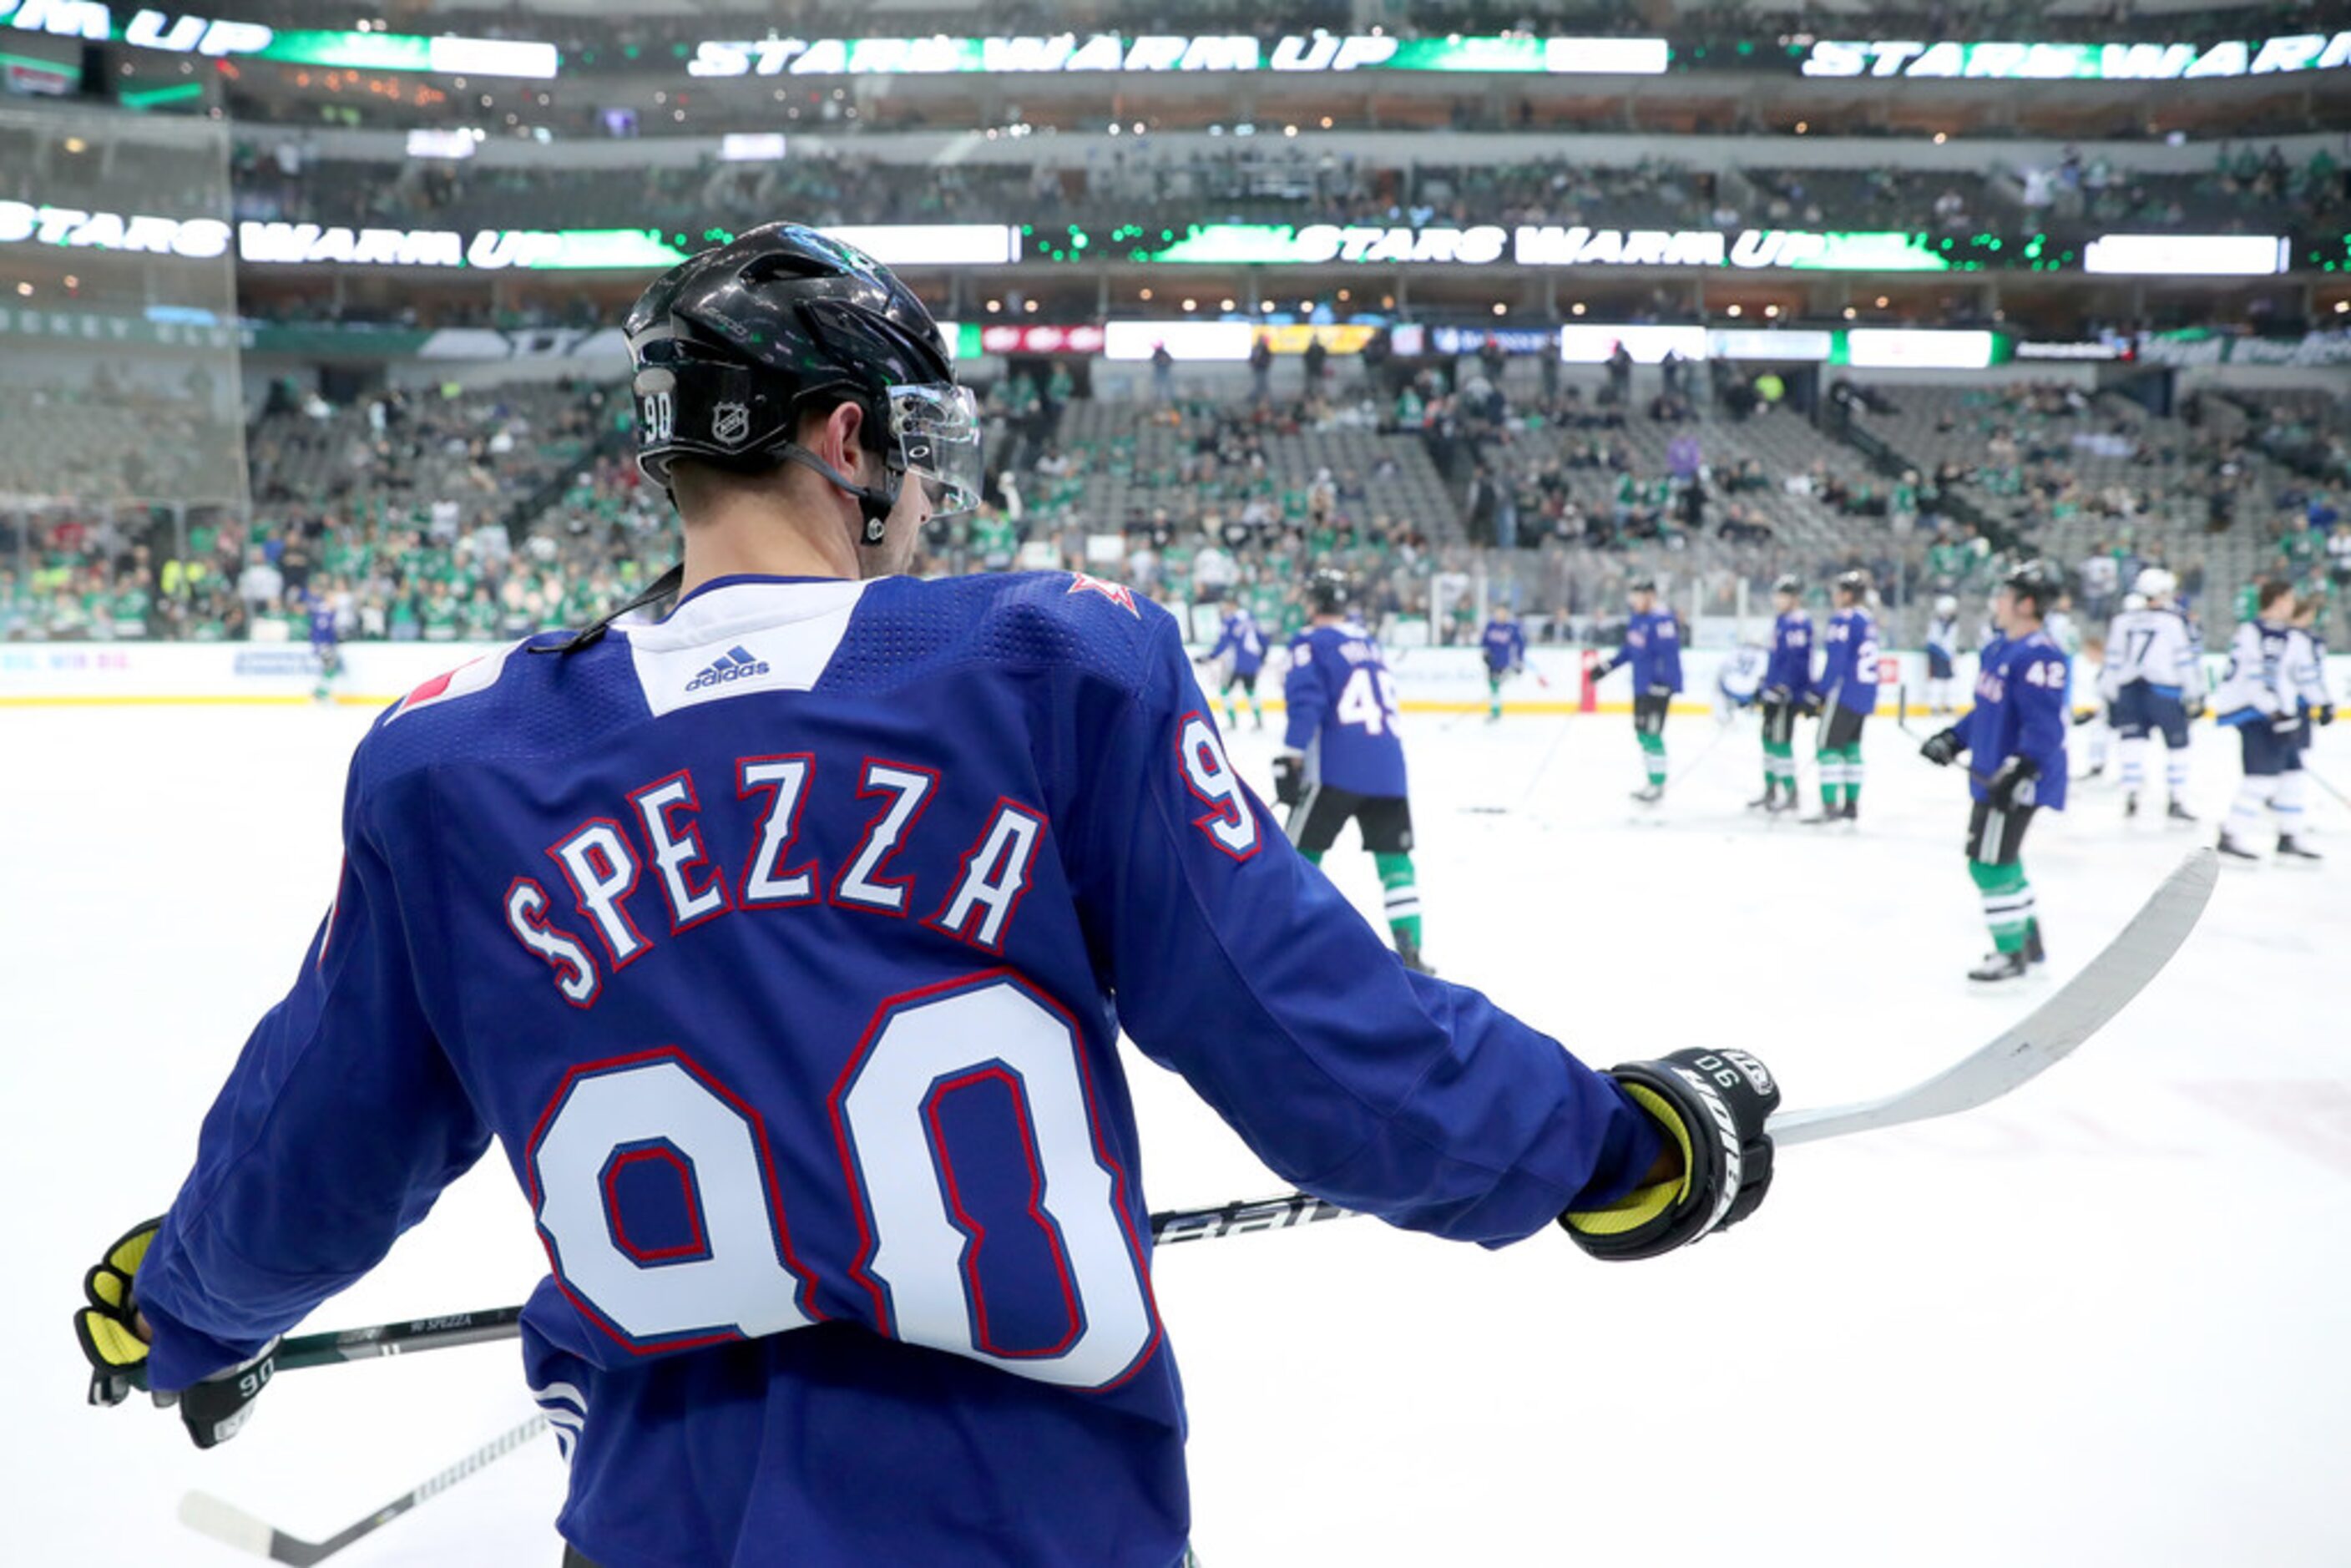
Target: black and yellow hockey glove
[
  {"x": 1714, "y": 1105},
  {"x": 213, "y": 1410}
]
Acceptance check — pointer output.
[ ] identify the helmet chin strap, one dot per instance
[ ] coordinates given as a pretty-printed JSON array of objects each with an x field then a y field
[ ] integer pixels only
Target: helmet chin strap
[{"x": 875, "y": 506}]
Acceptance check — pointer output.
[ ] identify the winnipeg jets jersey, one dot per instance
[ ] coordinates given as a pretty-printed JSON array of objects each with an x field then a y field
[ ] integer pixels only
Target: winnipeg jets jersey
[
  {"x": 1849, "y": 669},
  {"x": 1241, "y": 642},
  {"x": 782, "y": 947},
  {"x": 2305, "y": 670},
  {"x": 2257, "y": 686},
  {"x": 2154, "y": 646},
  {"x": 1943, "y": 636},
  {"x": 1342, "y": 711}
]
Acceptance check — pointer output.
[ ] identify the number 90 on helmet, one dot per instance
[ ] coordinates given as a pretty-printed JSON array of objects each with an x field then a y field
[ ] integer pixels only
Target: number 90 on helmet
[{"x": 733, "y": 346}]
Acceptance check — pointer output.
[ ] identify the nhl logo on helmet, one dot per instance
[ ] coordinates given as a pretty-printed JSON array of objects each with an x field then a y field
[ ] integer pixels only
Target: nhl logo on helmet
[{"x": 731, "y": 424}]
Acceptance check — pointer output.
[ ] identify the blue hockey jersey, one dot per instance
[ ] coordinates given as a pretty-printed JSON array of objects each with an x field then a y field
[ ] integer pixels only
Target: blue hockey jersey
[
  {"x": 2020, "y": 711},
  {"x": 1505, "y": 645},
  {"x": 1241, "y": 642},
  {"x": 1849, "y": 667},
  {"x": 782, "y": 947},
  {"x": 1791, "y": 653},
  {"x": 1342, "y": 711},
  {"x": 1653, "y": 646}
]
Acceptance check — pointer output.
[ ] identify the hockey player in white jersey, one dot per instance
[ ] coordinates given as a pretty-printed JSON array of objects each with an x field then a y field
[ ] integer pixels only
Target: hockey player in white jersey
[
  {"x": 2155, "y": 682},
  {"x": 2261, "y": 697},
  {"x": 1942, "y": 653}
]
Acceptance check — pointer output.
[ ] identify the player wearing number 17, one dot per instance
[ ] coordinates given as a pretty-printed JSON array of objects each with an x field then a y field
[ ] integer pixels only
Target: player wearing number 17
[{"x": 782, "y": 944}]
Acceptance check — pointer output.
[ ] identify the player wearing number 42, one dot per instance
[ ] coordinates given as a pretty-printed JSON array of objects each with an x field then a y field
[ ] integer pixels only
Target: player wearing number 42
[
  {"x": 2015, "y": 736},
  {"x": 782, "y": 944}
]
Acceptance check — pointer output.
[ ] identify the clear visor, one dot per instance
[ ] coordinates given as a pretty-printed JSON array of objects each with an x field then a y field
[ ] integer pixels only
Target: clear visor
[{"x": 937, "y": 430}]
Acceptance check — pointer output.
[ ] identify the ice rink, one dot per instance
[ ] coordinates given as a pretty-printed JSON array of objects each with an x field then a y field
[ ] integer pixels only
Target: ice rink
[{"x": 2101, "y": 1322}]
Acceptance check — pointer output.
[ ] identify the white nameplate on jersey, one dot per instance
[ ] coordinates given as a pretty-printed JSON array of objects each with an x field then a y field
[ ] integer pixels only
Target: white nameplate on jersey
[
  {"x": 475, "y": 676},
  {"x": 744, "y": 637}
]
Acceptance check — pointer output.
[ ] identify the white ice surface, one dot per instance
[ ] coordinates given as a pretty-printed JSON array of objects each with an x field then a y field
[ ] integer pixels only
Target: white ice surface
[{"x": 2104, "y": 1321}]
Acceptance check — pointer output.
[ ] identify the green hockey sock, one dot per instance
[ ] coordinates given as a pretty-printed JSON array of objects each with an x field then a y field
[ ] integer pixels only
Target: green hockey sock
[
  {"x": 1653, "y": 753},
  {"x": 2008, "y": 904},
  {"x": 1853, "y": 775},
  {"x": 1403, "y": 895}
]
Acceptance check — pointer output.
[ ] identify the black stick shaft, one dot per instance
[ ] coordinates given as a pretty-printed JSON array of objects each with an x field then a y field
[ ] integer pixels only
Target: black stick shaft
[{"x": 447, "y": 1333}]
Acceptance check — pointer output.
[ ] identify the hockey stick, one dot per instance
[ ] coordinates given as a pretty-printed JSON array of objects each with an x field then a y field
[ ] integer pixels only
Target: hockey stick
[
  {"x": 231, "y": 1526},
  {"x": 2082, "y": 1007},
  {"x": 1902, "y": 723}
]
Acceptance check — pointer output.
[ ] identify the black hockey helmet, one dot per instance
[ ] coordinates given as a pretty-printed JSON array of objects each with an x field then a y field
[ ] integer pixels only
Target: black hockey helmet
[
  {"x": 2036, "y": 581},
  {"x": 1856, "y": 583},
  {"x": 734, "y": 345},
  {"x": 1642, "y": 583},
  {"x": 1328, "y": 591},
  {"x": 1789, "y": 584}
]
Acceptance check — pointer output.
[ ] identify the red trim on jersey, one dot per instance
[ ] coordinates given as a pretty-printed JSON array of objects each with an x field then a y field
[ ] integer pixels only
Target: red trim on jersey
[
  {"x": 804, "y": 1297},
  {"x": 693, "y": 840},
  {"x": 620, "y": 899},
  {"x": 866, "y": 788},
  {"x": 752, "y": 869},
  {"x": 975, "y": 1234},
  {"x": 537, "y": 921},
  {"x": 1232, "y": 810},
  {"x": 1118, "y": 593},
  {"x": 698, "y": 1246},
  {"x": 1005, "y": 805}
]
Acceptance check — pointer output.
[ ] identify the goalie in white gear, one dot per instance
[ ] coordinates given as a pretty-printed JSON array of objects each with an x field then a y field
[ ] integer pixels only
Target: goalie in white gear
[{"x": 2154, "y": 681}]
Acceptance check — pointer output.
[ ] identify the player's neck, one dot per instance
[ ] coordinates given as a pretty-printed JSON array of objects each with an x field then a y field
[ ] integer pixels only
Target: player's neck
[{"x": 739, "y": 537}]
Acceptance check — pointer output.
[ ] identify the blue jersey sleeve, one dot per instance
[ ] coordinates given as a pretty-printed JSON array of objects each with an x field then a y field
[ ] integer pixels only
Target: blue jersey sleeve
[
  {"x": 1236, "y": 964},
  {"x": 2037, "y": 687},
  {"x": 1669, "y": 652},
  {"x": 1302, "y": 694},
  {"x": 339, "y": 1124}
]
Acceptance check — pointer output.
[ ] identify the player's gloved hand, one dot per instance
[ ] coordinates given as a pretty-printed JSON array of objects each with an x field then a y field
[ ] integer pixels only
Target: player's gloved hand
[
  {"x": 1714, "y": 1105},
  {"x": 1808, "y": 704},
  {"x": 1942, "y": 748},
  {"x": 2323, "y": 715},
  {"x": 2195, "y": 706},
  {"x": 1778, "y": 696},
  {"x": 2011, "y": 785},
  {"x": 213, "y": 1410},
  {"x": 2285, "y": 723},
  {"x": 1289, "y": 779}
]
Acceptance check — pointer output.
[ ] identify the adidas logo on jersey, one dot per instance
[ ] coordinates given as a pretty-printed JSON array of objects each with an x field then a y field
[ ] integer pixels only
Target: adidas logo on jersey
[{"x": 737, "y": 664}]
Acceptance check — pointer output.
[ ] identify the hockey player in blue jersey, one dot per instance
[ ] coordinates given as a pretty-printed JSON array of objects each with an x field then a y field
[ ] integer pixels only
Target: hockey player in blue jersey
[
  {"x": 782, "y": 946},
  {"x": 2016, "y": 737},
  {"x": 1846, "y": 692},
  {"x": 2265, "y": 698},
  {"x": 1238, "y": 655},
  {"x": 1341, "y": 758},
  {"x": 1504, "y": 644},
  {"x": 1653, "y": 646},
  {"x": 1787, "y": 678}
]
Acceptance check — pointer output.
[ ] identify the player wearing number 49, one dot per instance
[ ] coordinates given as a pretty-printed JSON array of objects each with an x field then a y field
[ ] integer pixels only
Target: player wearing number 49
[
  {"x": 1653, "y": 646},
  {"x": 1341, "y": 758},
  {"x": 782, "y": 944},
  {"x": 2016, "y": 738}
]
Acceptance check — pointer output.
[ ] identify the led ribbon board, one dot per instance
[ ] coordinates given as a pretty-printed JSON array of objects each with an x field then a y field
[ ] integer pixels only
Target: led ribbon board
[
  {"x": 186, "y": 33},
  {"x": 2078, "y": 62},
  {"x": 1316, "y": 245},
  {"x": 1161, "y": 53}
]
